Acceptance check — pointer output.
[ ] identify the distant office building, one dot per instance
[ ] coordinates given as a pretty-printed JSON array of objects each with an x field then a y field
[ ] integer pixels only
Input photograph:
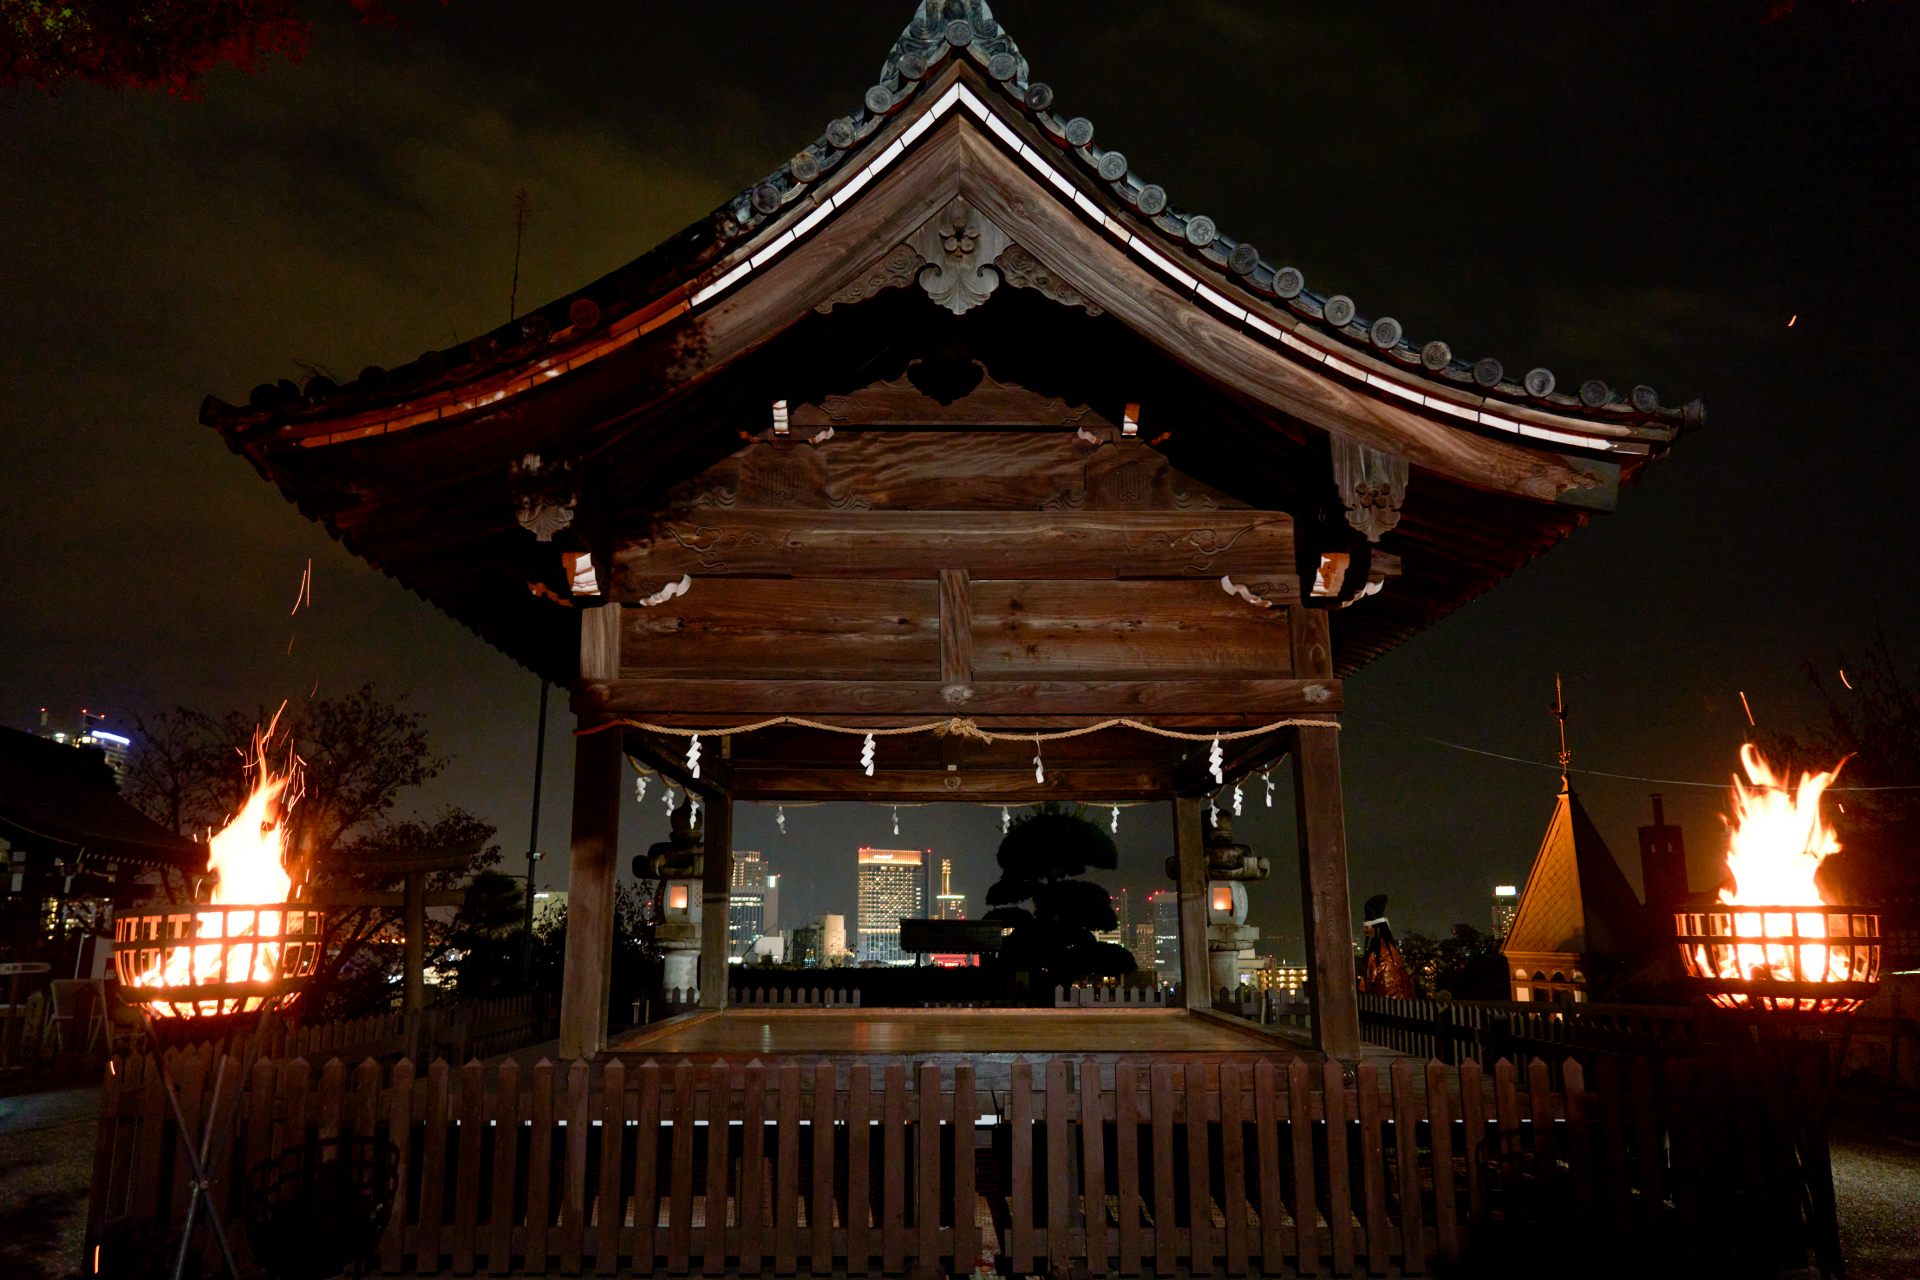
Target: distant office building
[
  {"x": 819, "y": 944},
  {"x": 1141, "y": 945},
  {"x": 1123, "y": 913},
  {"x": 892, "y": 884},
  {"x": 1506, "y": 905},
  {"x": 747, "y": 915},
  {"x": 1277, "y": 975},
  {"x": 90, "y": 734},
  {"x": 948, "y": 905},
  {"x": 833, "y": 937},
  {"x": 1164, "y": 906}
]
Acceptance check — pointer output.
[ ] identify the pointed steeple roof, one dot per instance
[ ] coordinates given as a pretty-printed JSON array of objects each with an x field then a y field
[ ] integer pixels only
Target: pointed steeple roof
[{"x": 1577, "y": 900}]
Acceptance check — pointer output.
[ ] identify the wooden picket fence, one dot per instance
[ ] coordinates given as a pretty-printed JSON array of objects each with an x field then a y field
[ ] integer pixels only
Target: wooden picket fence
[
  {"x": 1136, "y": 1166},
  {"x": 1485, "y": 1030}
]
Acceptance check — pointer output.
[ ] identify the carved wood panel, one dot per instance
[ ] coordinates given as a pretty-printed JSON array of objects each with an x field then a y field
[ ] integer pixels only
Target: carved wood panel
[
  {"x": 1137, "y": 630},
  {"x": 774, "y": 628}
]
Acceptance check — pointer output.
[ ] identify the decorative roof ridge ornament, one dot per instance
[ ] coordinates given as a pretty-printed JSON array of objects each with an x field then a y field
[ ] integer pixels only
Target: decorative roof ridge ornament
[
  {"x": 1372, "y": 485},
  {"x": 938, "y": 23}
]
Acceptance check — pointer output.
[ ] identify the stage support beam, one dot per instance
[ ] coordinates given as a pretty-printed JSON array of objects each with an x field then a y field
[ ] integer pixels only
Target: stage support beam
[
  {"x": 1324, "y": 909},
  {"x": 598, "y": 769},
  {"x": 1190, "y": 864},
  {"x": 716, "y": 900}
]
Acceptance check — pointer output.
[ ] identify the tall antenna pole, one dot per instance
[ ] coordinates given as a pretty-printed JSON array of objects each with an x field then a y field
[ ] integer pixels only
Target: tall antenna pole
[
  {"x": 522, "y": 207},
  {"x": 1559, "y": 710},
  {"x": 533, "y": 836}
]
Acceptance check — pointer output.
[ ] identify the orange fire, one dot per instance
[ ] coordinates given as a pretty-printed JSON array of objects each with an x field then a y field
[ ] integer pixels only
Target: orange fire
[
  {"x": 246, "y": 859},
  {"x": 1775, "y": 844}
]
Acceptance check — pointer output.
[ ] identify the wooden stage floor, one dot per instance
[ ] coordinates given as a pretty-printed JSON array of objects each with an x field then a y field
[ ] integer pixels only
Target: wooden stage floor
[{"x": 936, "y": 1033}]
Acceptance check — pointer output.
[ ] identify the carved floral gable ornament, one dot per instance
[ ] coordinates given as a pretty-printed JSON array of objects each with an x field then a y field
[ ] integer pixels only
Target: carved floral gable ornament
[
  {"x": 1372, "y": 485},
  {"x": 959, "y": 257}
]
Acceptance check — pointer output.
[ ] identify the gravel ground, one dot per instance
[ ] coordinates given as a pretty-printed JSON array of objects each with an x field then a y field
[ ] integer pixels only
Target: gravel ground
[
  {"x": 1876, "y": 1178},
  {"x": 46, "y": 1163}
]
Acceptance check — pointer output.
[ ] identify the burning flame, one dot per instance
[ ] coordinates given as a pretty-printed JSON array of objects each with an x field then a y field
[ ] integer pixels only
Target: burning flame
[
  {"x": 1775, "y": 844},
  {"x": 246, "y": 859}
]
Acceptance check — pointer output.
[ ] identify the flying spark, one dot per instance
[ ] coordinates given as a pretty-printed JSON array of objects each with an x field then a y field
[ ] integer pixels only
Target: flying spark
[{"x": 1748, "y": 709}]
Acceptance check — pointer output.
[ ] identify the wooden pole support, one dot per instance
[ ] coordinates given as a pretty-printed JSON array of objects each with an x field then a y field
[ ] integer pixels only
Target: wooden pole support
[
  {"x": 1323, "y": 891},
  {"x": 597, "y": 769},
  {"x": 716, "y": 900},
  {"x": 1190, "y": 861}
]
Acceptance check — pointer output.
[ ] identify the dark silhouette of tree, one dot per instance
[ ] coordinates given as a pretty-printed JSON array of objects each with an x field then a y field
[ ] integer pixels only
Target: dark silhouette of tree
[
  {"x": 1041, "y": 859},
  {"x": 1872, "y": 719},
  {"x": 636, "y": 959},
  {"x": 361, "y": 754},
  {"x": 1465, "y": 965}
]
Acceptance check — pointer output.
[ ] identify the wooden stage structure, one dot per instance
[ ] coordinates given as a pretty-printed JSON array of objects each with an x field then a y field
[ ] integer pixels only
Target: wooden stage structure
[{"x": 953, "y": 438}]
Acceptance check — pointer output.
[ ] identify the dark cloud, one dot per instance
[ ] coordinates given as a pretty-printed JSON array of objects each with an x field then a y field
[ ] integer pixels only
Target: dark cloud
[{"x": 1641, "y": 193}]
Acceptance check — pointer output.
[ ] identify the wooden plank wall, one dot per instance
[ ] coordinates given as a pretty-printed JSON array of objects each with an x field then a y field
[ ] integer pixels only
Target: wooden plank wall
[{"x": 1152, "y": 1167}]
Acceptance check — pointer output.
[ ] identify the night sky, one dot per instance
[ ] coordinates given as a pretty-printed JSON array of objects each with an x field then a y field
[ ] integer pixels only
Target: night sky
[{"x": 1639, "y": 193}]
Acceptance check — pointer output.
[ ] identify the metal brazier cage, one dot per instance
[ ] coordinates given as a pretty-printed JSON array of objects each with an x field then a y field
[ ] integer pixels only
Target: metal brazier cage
[
  {"x": 1812, "y": 960},
  {"x": 209, "y": 961}
]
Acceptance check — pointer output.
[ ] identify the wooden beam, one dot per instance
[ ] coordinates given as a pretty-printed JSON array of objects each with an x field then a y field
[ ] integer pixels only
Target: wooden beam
[
  {"x": 1252, "y": 546},
  {"x": 1312, "y": 645},
  {"x": 600, "y": 643},
  {"x": 716, "y": 899},
  {"x": 1324, "y": 909},
  {"x": 1190, "y": 862},
  {"x": 1250, "y": 701},
  {"x": 716, "y": 775},
  {"x": 597, "y": 775},
  {"x": 923, "y": 786},
  {"x": 1240, "y": 757},
  {"x": 956, "y": 628}
]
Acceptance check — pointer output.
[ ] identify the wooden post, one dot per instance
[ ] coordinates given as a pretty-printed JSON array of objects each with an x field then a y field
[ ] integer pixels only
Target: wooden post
[
  {"x": 1190, "y": 861},
  {"x": 413, "y": 922},
  {"x": 597, "y": 766},
  {"x": 1323, "y": 890},
  {"x": 716, "y": 898}
]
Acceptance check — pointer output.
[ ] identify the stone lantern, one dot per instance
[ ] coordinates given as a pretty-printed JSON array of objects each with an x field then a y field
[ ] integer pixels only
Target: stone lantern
[
  {"x": 678, "y": 861},
  {"x": 1230, "y": 868}
]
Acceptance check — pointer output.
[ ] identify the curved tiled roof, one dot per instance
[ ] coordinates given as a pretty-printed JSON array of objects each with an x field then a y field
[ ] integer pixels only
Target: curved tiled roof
[{"x": 941, "y": 30}]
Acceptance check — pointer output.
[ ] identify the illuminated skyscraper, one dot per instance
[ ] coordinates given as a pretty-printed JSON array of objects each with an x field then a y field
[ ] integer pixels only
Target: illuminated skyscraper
[
  {"x": 747, "y": 909},
  {"x": 1164, "y": 904},
  {"x": 948, "y": 905},
  {"x": 1506, "y": 905},
  {"x": 892, "y": 884}
]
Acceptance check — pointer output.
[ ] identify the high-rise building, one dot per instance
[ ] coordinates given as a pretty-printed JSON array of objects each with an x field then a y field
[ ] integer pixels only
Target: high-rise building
[
  {"x": 1164, "y": 904},
  {"x": 747, "y": 909},
  {"x": 1506, "y": 905},
  {"x": 948, "y": 905},
  {"x": 1123, "y": 912},
  {"x": 1142, "y": 946},
  {"x": 114, "y": 746},
  {"x": 892, "y": 884}
]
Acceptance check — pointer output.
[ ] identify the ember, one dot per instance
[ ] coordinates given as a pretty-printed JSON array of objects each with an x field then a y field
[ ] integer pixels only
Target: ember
[{"x": 1783, "y": 947}]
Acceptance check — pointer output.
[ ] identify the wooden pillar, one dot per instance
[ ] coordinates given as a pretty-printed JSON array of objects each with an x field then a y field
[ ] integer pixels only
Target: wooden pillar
[
  {"x": 1324, "y": 913},
  {"x": 1190, "y": 862},
  {"x": 413, "y": 925},
  {"x": 597, "y": 774},
  {"x": 716, "y": 900}
]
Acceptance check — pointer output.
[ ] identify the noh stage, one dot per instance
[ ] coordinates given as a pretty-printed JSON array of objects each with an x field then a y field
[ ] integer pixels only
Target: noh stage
[{"x": 927, "y": 1034}]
